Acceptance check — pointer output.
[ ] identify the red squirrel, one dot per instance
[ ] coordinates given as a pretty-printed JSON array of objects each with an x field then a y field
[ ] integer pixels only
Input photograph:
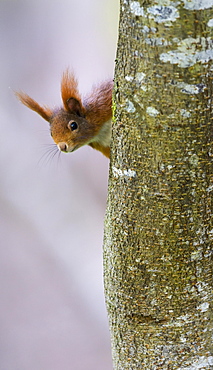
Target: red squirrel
[{"x": 78, "y": 122}]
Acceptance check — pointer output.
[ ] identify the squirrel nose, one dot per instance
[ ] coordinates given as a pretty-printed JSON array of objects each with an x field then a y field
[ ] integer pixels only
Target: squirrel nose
[{"x": 62, "y": 146}]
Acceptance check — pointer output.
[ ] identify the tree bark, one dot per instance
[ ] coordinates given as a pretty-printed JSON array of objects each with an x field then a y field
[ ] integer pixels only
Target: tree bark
[{"x": 159, "y": 227}]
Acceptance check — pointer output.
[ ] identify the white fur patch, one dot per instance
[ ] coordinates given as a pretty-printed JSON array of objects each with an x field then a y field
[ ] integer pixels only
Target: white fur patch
[{"x": 104, "y": 135}]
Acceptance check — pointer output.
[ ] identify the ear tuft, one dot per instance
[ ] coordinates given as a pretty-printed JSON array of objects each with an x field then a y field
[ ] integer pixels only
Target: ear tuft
[
  {"x": 25, "y": 99},
  {"x": 70, "y": 94}
]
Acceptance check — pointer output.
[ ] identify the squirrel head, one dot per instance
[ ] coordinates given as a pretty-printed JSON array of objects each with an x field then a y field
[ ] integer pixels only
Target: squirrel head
[{"x": 69, "y": 127}]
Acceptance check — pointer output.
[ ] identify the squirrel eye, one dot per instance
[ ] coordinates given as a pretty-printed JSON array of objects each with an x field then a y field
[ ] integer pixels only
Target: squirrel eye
[{"x": 73, "y": 125}]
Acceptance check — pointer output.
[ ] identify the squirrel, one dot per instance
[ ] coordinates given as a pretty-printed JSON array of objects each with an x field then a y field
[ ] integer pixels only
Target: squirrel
[{"x": 78, "y": 122}]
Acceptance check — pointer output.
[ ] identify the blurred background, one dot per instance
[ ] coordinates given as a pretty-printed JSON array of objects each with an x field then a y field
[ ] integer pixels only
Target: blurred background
[{"x": 52, "y": 309}]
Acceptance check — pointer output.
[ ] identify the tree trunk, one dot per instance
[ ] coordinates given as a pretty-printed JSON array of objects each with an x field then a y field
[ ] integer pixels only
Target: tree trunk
[{"x": 159, "y": 227}]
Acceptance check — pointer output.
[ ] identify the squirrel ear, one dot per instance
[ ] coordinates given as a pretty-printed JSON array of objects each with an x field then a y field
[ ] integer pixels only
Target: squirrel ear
[
  {"x": 25, "y": 99},
  {"x": 70, "y": 94},
  {"x": 75, "y": 106}
]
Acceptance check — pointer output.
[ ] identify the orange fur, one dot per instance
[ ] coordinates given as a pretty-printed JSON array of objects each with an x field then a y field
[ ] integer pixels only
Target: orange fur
[
  {"x": 91, "y": 117},
  {"x": 25, "y": 99},
  {"x": 69, "y": 88},
  {"x": 105, "y": 150},
  {"x": 98, "y": 104}
]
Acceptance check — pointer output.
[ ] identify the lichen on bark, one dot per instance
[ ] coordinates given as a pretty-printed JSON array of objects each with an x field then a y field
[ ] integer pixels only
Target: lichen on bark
[{"x": 159, "y": 226}]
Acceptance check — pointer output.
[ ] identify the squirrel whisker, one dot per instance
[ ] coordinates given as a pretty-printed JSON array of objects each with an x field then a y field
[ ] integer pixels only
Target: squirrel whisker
[{"x": 78, "y": 122}]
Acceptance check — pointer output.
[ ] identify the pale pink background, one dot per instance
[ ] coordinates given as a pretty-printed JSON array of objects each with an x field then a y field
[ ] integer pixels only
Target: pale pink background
[{"x": 52, "y": 309}]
